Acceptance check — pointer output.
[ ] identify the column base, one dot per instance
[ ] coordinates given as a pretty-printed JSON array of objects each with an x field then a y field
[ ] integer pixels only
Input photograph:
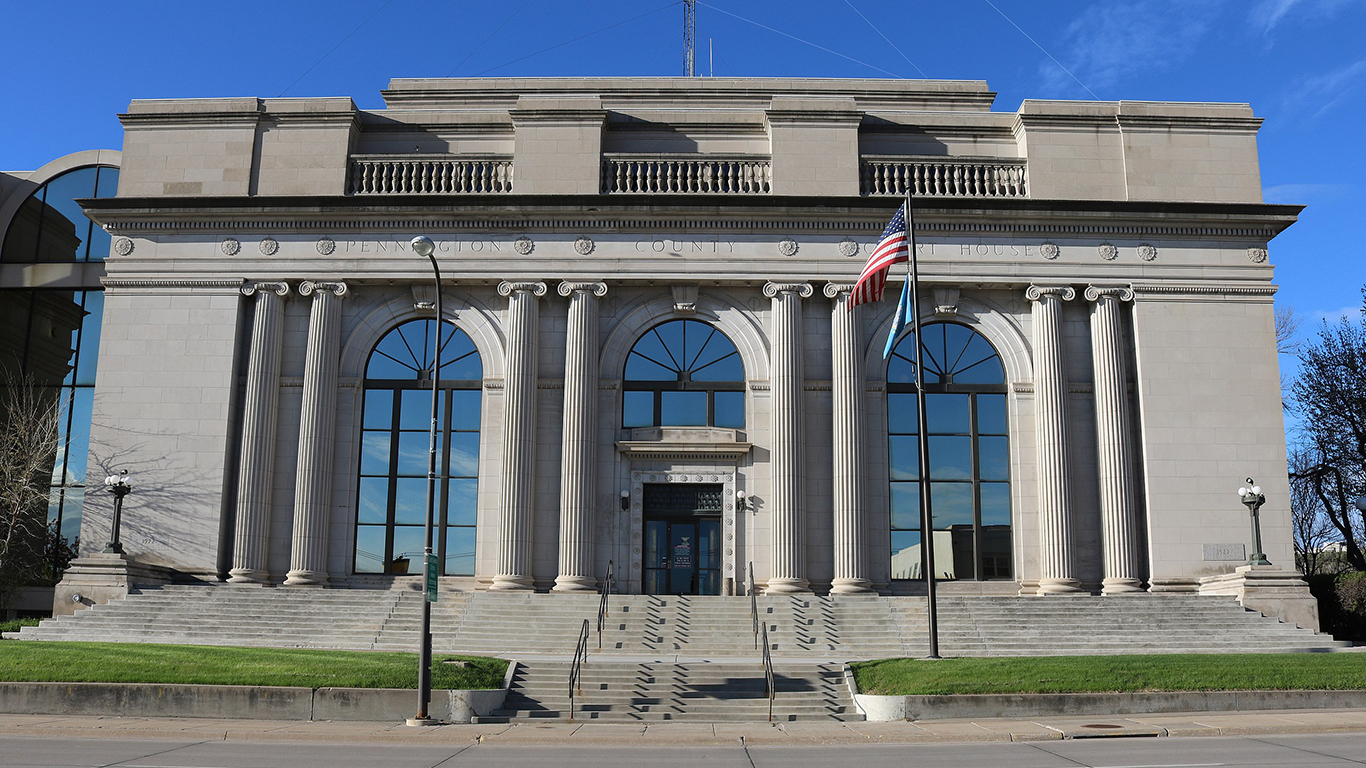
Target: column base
[
  {"x": 510, "y": 583},
  {"x": 1121, "y": 587},
  {"x": 1269, "y": 590},
  {"x": 787, "y": 587},
  {"x": 1059, "y": 587},
  {"x": 305, "y": 578},
  {"x": 565, "y": 583},
  {"x": 851, "y": 587},
  {"x": 248, "y": 576}
]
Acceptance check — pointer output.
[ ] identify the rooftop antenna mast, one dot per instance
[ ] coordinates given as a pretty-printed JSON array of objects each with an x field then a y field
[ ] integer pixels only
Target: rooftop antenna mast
[{"x": 689, "y": 36}]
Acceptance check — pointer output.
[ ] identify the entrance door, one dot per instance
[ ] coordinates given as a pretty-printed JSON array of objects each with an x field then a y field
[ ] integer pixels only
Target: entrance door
[{"x": 682, "y": 540}]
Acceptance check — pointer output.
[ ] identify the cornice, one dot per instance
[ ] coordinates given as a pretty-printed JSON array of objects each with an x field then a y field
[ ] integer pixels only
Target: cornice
[
  {"x": 1205, "y": 290},
  {"x": 119, "y": 282}
]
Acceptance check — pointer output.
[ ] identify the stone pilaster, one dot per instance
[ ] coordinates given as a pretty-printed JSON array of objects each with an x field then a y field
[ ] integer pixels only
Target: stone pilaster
[
  {"x": 1056, "y": 568},
  {"x": 259, "y": 416},
  {"x": 580, "y": 429},
  {"x": 846, "y": 393},
  {"x": 788, "y": 520},
  {"x": 1123, "y": 557},
  {"x": 519, "y": 436},
  {"x": 317, "y": 425}
]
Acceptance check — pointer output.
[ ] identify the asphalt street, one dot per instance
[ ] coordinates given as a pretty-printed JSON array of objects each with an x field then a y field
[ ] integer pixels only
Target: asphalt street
[{"x": 1300, "y": 750}]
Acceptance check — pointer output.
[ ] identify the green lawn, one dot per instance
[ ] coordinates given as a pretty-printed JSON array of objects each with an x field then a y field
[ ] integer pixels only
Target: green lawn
[
  {"x": 36, "y": 661},
  {"x": 1106, "y": 674}
]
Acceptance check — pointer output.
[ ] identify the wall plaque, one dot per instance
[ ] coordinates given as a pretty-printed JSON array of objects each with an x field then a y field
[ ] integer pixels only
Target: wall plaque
[{"x": 1225, "y": 552}]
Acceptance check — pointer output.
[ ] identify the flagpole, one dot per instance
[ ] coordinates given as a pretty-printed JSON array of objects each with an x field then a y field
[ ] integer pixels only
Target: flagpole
[{"x": 926, "y": 508}]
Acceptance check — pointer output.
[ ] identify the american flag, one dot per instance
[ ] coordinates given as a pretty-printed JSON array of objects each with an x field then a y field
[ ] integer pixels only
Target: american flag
[{"x": 893, "y": 248}]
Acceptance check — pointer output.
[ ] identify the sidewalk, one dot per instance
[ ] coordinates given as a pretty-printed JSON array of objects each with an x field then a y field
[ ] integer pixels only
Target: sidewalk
[{"x": 699, "y": 734}]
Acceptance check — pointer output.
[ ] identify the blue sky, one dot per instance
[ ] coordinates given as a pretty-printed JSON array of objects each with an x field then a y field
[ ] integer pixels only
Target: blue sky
[{"x": 72, "y": 66}]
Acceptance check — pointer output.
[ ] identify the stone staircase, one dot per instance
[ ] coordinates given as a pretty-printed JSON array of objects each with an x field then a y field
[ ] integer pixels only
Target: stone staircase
[
  {"x": 698, "y": 691},
  {"x": 809, "y": 627}
]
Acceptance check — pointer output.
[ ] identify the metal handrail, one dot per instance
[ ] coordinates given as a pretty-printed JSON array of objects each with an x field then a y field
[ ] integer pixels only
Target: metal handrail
[
  {"x": 580, "y": 656},
  {"x": 602, "y": 600},
  {"x": 753, "y": 604},
  {"x": 772, "y": 687}
]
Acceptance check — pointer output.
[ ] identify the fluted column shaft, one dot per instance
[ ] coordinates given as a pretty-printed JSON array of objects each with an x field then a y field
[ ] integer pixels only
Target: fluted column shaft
[
  {"x": 317, "y": 427},
  {"x": 579, "y": 440},
  {"x": 519, "y": 436},
  {"x": 1122, "y": 555},
  {"x": 1057, "y": 574},
  {"x": 788, "y": 566},
  {"x": 846, "y": 394},
  {"x": 250, "y": 553}
]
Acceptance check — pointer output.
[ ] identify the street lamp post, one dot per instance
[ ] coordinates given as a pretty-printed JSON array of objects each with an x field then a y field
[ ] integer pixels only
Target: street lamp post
[
  {"x": 1251, "y": 495},
  {"x": 423, "y": 246},
  {"x": 120, "y": 487}
]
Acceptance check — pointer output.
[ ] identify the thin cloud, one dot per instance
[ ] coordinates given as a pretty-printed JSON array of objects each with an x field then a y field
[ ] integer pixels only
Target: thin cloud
[
  {"x": 1111, "y": 41},
  {"x": 1268, "y": 14},
  {"x": 1323, "y": 92},
  {"x": 1334, "y": 315},
  {"x": 1300, "y": 193}
]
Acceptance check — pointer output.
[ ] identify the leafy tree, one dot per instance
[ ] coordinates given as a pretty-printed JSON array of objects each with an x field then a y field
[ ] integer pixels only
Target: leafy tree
[{"x": 1330, "y": 398}]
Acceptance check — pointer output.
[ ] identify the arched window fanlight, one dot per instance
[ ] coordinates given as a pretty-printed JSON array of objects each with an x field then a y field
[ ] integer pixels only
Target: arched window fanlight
[{"x": 684, "y": 373}]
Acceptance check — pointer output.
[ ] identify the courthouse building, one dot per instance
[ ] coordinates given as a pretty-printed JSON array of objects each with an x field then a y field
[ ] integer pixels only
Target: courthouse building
[{"x": 647, "y": 356}]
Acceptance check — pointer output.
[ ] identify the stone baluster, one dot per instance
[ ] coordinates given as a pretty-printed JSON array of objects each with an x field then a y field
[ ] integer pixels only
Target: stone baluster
[
  {"x": 846, "y": 394},
  {"x": 1057, "y": 571},
  {"x": 250, "y": 555},
  {"x": 579, "y": 441},
  {"x": 787, "y": 519},
  {"x": 1114, "y": 452},
  {"x": 317, "y": 426},
  {"x": 519, "y": 436}
]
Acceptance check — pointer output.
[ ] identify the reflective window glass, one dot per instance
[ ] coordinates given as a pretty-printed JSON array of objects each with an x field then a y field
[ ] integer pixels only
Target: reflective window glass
[
  {"x": 950, "y": 458},
  {"x": 684, "y": 409},
  {"x": 638, "y": 409},
  {"x": 688, "y": 373},
  {"x": 460, "y": 551},
  {"x": 730, "y": 409}
]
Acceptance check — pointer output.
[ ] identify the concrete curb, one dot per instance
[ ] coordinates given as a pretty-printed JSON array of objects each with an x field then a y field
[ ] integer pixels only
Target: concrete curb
[
  {"x": 892, "y": 708},
  {"x": 247, "y": 702}
]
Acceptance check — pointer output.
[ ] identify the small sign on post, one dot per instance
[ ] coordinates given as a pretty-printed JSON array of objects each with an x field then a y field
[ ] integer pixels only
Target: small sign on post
[{"x": 431, "y": 578}]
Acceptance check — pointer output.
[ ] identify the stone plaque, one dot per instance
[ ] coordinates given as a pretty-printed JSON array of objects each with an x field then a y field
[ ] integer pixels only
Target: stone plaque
[{"x": 1225, "y": 552}]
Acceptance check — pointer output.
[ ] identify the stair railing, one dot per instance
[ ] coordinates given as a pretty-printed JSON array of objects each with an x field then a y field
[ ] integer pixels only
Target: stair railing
[
  {"x": 602, "y": 600},
  {"x": 576, "y": 668},
  {"x": 771, "y": 688},
  {"x": 753, "y": 604}
]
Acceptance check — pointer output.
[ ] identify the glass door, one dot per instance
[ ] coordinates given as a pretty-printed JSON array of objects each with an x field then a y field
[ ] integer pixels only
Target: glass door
[{"x": 682, "y": 556}]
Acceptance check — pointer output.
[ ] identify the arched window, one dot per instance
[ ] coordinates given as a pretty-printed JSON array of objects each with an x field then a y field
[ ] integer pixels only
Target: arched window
[
  {"x": 395, "y": 426},
  {"x": 50, "y": 227},
  {"x": 684, "y": 373},
  {"x": 969, "y": 451}
]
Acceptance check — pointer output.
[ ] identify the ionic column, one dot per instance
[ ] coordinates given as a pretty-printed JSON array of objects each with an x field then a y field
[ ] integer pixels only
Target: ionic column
[
  {"x": 317, "y": 425},
  {"x": 519, "y": 436},
  {"x": 846, "y": 394},
  {"x": 579, "y": 442},
  {"x": 788, "y": 521},
  {"x": 250, "y": 555},
  {"x": 1057, "y": 574},
  {"x": 1114, "y": 453}
]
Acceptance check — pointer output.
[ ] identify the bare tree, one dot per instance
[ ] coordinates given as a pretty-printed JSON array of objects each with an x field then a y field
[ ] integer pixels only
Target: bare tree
[
  {"x": 1311, "y": 530},
  {"x": 28, "y": 448},
  {"x": 1287, "y": 343},
  {"x": 1330, "y": 397}
]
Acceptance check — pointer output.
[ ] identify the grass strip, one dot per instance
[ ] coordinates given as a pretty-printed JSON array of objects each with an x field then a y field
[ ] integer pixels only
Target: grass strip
[
  {"x": 1113, "y": 674},
  {"x": 72, "y": 662}
]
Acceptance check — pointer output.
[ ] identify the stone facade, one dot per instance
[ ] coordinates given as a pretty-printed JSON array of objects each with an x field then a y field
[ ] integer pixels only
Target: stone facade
[{"x": 1102, "y": 248}]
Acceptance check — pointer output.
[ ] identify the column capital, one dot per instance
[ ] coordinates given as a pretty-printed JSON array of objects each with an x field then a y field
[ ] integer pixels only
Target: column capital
[
  {"x": 279, "y": 289},
  {"x": 506, "y": 288},
  {"x": 801, "y": 289},
  {"x": 598, "y": 288},
  {"x": 1121, "y": 292},
  {"x": 308, "y": 287},
  {"x": 1038, "y": 292},
  {"x": 834, "y": 290}
]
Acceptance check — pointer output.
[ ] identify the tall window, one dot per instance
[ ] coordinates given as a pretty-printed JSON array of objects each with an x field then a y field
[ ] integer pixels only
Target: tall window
[
  {"x": 51, "y": 337},
  {"x": 395, "y": 424},
  {"x": 684, "y": 373},
  {"x": 965, "y": 406}
]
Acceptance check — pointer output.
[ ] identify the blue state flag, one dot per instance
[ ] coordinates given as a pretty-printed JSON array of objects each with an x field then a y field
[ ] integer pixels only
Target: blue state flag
[{"x": 903, "y": 316}]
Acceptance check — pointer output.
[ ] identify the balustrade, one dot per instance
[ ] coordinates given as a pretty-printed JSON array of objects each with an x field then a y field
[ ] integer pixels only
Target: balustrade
[
  {"x": 687, "y": 175},
  {"x": 429, "y": 175},
  {"x": 939, "y": 177}
]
